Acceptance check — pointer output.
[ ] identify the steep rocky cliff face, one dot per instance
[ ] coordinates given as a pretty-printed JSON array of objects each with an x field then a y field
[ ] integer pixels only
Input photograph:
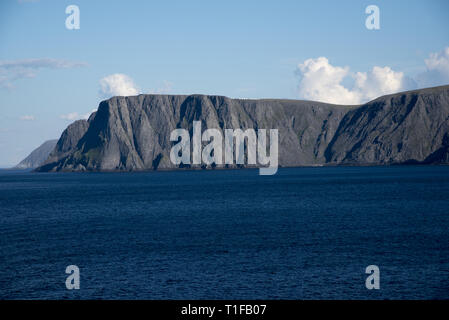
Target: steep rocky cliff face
[
  {"x": 133, "y": 133},
  {"x": 401, "y": 128},
  {"x": 66, "y": 144},
  {"x": 38, "y": 156}
]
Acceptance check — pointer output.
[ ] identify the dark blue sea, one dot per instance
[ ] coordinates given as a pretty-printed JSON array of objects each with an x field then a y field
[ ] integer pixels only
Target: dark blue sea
[{"x": 304, "y": 233}]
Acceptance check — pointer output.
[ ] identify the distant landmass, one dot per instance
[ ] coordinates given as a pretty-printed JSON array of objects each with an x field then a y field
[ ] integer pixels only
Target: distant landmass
[
  {"x": 38, "y": 156},
  {"x": 133, "y": 133}
]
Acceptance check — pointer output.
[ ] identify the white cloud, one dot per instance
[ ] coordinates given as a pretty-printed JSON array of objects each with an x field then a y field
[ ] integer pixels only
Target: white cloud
[
  {"x": 378, "y": 82},
  {"x": 164, "y": 89},
  {"x": 437, "y": 69},
  {"x": 27, "y": 118},
  {"x": 76, "y": 116},
  {"x": 117, "y": 84},
  {"x": 12, "y": 70},
  {"x": 439, "y": 61},
  {"x": 71, "y": 116},
  {"x": 321, "y": 81}
]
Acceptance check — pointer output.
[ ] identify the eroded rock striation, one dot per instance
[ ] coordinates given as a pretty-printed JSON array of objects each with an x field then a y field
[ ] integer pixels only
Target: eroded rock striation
[
  {"x": 133, "y": 133},
  {"x": 409, "y": 127}
]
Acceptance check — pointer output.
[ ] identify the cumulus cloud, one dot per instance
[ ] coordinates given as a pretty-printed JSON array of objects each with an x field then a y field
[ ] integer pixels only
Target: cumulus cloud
[
  {"x": 27, "y": 118},
  {"x": 439, "y": 61},
  {"x": 321, "y": 81},
  {"x": 76, "y": 116},
  {"x": 164, "y": 89},
  {"x": 12, "y": 70},
  {"x": 437, "y": 69},
  {"x": 117, "y": 84},
  {"x": 378, "y": 82}
]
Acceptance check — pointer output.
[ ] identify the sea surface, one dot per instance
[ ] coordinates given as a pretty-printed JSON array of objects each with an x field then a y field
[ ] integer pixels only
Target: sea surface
[{"x": 304, "y": 233}]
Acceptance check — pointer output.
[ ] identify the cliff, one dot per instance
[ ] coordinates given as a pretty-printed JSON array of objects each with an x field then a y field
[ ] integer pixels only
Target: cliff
[
  {"x": 133, "y": 133},
  {"x": 37, "y": 156}
]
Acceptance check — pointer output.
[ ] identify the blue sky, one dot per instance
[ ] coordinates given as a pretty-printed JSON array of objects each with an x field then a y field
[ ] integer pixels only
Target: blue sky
[{"x": 50, "y": 75}]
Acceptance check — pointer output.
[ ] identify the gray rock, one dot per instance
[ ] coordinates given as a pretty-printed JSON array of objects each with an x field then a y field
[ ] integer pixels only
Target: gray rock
[
  {"x": 409, "y": 127},
  {"x": 65, "y": 145},
  {"x": 38, "y": 156},
  {"x": 133, "y": 133}
]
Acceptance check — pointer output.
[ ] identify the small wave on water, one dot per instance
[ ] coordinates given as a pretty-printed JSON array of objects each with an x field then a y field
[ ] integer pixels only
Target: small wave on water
[{"x": 304, "y": 233}]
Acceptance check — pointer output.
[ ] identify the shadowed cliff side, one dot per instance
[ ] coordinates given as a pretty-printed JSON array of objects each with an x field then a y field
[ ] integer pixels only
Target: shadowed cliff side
[
  {"x": 409, "y": 127},
  {"x": 133, "y": 133}
]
